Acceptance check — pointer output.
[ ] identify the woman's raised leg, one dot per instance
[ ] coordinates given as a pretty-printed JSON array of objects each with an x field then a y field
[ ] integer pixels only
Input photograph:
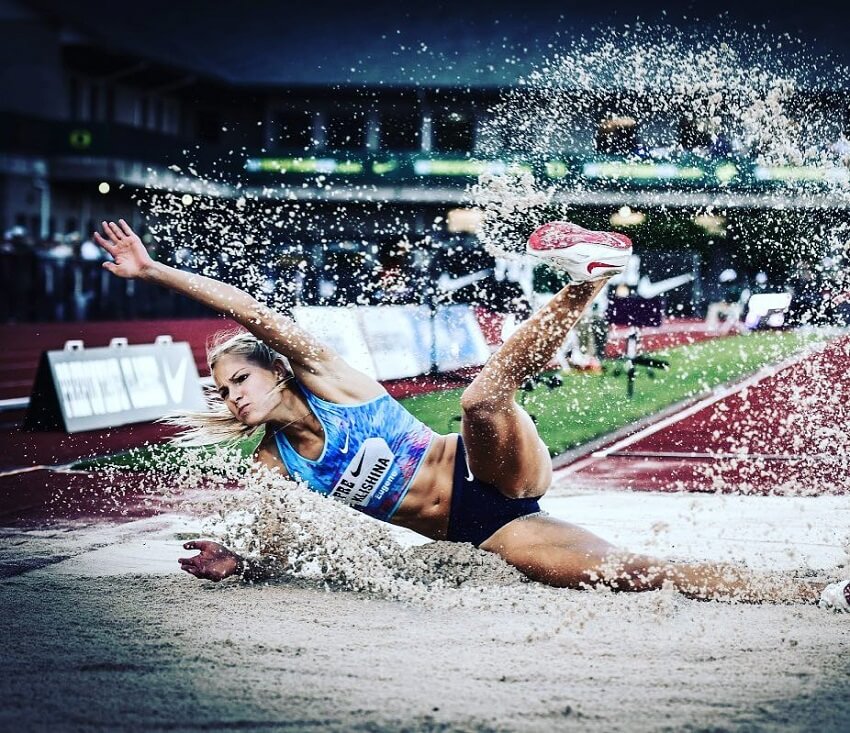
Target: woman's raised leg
[{"x": 502, "y": 444}]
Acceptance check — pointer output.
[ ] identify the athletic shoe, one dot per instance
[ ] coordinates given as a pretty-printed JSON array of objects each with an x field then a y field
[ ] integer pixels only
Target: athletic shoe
[
  {"x": 836, "y": 596},
  {"x": 581, "y": 253}
]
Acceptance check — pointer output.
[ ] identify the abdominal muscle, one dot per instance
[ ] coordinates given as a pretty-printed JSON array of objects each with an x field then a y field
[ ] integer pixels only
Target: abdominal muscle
[{"x": 425, "y": 507}]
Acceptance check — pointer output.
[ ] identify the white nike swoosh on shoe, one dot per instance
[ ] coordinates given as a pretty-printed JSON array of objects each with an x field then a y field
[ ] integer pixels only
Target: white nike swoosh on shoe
[{"x": 344, "y": 448}]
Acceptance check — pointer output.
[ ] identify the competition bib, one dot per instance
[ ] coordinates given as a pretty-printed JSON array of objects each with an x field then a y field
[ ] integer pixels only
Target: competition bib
[{"x": 367, "y": 478}]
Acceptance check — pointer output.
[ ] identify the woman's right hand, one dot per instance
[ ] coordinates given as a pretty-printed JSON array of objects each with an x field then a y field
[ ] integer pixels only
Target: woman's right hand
[
  {"x": 130, "y": 259},
  {"x": 215, "y": 562}
]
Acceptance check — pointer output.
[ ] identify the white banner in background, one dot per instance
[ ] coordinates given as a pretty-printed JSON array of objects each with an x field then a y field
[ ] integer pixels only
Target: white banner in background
[
  {"x": 340, "y": 329},
  {"x": 460, "y": 342},
  {"x": 395, "y": 341}
]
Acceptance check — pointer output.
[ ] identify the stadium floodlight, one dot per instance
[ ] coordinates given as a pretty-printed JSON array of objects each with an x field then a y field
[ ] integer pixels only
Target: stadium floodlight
[
  {"x": 186, "y": 199},
  {"x": 103, "y": 187}
]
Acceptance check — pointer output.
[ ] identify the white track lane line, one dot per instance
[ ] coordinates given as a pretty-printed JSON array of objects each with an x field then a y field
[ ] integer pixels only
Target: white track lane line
[
  {"x": 26, "y": 469},
  {"x": 719, "y": 394},
  {"x": 743, "y": 456}
]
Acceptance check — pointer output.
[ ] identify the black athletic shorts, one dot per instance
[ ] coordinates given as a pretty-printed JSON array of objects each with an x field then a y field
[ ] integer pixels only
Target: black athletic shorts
[{"x": 479, "y": 509}]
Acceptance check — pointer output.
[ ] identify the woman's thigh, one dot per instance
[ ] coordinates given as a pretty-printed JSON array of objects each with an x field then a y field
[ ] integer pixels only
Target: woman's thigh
[
  {"x": 552, "y": 551},
  {"x": 504, "y": 449}
]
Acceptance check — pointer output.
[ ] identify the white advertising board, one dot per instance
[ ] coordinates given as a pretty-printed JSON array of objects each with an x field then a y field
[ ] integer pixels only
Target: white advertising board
[
  {"x": 88, "y": 389},
  {"x": 395, "y": 341},
  {"x": 340, "y": 329},
  {"x": 460, "y": 342},
  {"x": 451, "y": 336}
]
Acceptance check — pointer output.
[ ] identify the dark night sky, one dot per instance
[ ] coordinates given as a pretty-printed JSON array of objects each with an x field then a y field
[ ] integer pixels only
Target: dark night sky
[{"x": 437, "y": 42}]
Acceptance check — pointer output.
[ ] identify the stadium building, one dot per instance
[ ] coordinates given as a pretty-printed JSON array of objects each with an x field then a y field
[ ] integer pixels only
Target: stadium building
[{"x": 343, "y": 184}]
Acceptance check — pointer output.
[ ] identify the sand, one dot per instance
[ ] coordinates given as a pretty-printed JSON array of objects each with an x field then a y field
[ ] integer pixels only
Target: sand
[{"x": 102, "y": 632}]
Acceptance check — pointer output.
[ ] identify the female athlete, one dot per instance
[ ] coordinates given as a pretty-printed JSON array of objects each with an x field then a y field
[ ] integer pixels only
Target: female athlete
[{"x": 338, "y": 430}]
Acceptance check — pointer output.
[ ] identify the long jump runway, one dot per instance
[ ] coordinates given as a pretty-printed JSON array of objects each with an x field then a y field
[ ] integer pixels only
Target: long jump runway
[{"x": 783, "y": 431}]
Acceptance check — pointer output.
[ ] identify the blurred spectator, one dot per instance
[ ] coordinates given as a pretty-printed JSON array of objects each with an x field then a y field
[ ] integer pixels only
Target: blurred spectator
[
  {"x": 584, "y": 346},
  {"x": 835, "y": 288},
  {"x": 395, "y": 274},
  {"x": 762, "y": 284},
  {"x": 721, "y": 146},
  {"x": 593, "y": 328},
  {"x": 59, "y": 250},
  {"x": 807, "y": 299},
  {"x": 286, "y": 282},
  {"x": 617, "y": 136},
  {"x": 394, "y": 286},
  {"x": 62, "y": 279},
  {"x": 590, "y": 337},
  {"x": 725, "y": 314},
  {"x": 841, "y": 148}
]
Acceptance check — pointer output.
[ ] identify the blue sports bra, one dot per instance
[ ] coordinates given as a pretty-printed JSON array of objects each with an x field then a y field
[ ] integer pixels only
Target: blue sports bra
[{"x": 372, "y": 453}]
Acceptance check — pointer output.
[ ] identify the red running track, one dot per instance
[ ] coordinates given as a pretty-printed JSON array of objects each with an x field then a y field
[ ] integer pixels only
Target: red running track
[
  {"x": 785, "y": 430},
  {"x": 672, "y": 333}
]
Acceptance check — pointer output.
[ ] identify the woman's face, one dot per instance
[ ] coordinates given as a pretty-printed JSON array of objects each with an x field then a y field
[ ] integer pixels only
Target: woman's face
[{"x": 248, "y": 390}]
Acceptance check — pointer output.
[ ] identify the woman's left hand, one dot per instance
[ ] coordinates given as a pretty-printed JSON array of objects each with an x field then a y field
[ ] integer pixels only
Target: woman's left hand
[
  {"x": 215, "y": 562},
  {"x": 130, "y": 259}
]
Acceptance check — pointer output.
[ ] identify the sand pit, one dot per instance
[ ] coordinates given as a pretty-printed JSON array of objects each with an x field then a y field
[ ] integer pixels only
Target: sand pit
[{"x": 112, "y": 637}]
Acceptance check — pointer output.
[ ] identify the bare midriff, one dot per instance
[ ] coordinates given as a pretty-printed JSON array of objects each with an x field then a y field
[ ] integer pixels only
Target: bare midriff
[{"x": 425, "y": 508}]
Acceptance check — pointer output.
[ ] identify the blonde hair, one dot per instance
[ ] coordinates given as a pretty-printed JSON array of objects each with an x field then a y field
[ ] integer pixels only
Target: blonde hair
[{"x": 217, "y": 424}]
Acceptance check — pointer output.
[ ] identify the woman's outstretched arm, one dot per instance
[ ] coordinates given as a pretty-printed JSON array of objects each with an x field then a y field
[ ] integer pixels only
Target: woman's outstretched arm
[
  {"x": 315, "y": 364},
  {"x": 131, "y": 260}
]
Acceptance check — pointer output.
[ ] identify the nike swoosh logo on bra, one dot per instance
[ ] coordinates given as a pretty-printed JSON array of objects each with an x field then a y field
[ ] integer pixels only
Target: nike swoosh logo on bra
[
  {"x": 356, "y": 471},
  {"x": 344, "y": 448},
  {"x": 469, "y": 476}
]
